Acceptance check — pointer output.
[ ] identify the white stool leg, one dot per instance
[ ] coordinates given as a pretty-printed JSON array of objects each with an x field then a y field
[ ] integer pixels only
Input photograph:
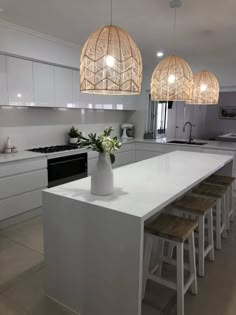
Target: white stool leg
[
  {"x": 146, "y": 260},
  {"x": 224, "y": 215},
  {"x": 170, "y": 250},
  {"x": 192, "y": 263},
  {"x": 232, "y": 203},
  {"x": 201, "y": 246},
  {"x": 227, "y": 206},
  {"x": 180, "y": 279},
  {"x": 161, "y": 246},
  {"x": 210, "y": 235},
  {"x": 218, "y": 224}
]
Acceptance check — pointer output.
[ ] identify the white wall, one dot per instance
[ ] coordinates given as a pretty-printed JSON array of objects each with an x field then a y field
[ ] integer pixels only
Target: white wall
[
  {"x": 35, "y": 127},
  {"x": 215, "y": 125}
]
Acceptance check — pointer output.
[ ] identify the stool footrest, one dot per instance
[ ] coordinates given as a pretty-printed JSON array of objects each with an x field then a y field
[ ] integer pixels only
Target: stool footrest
[{"x": 170, "y": 284}]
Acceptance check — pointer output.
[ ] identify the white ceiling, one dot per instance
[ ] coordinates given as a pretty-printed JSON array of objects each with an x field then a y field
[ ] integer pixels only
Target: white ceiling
[{"x": 205, "y": 28}]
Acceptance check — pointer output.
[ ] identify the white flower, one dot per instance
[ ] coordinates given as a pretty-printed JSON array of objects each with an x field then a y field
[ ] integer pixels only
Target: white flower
[{"x": 107, "y": 144}]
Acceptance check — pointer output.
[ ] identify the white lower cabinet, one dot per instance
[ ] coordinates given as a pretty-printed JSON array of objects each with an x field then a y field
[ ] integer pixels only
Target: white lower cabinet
[
  {"x": 124, "y": 158},
  {"x": 21, "y": 185},
  {"x": 144, "y": 155},
  {"x": 125, "y": 155},
  {"x": 19, "y": 204}
]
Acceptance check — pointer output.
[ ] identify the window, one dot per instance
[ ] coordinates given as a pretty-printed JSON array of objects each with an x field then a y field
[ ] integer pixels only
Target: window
[
  {"x": 162, "y": 117},
  {"x": 157, "y": 117}
]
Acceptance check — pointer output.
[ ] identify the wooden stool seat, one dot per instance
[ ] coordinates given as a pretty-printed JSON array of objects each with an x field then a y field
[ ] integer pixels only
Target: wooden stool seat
[
  {"x": 228, "y": 182},
  {"x": 196, "y": 205},
  {"x": 200, "y": 208},
  {"x": 176, "y": 230},
  {"x": 220, "y": 180},
  {"x": 219, "y": 192},
  {"x": 171, "y": 227},
  {"x": 216, "y": 191}
]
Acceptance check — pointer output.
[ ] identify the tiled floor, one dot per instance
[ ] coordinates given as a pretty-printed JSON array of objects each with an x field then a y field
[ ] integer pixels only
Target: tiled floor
[{"x": 21, "y": 279}]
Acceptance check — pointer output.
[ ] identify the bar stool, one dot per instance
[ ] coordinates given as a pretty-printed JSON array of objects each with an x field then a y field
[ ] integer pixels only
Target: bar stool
[
  {"x": 227, "y": 181},
  {"x": 201, "y": 209},
  {"x": 175, "y": 230},
  {"x": 219, "y": 193}
]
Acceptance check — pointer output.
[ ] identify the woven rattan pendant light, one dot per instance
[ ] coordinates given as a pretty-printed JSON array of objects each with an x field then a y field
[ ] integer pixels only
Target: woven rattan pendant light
[
  {"x": 205, "y": 89},
  {"x": 110, "y": 63},
  {"x": 172, "y": 79}
]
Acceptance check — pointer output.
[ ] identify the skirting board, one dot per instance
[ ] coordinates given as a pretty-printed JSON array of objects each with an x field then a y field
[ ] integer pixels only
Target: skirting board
[
  {"x": 63, "y": 305},
  {"x": 20, "y": 218}
]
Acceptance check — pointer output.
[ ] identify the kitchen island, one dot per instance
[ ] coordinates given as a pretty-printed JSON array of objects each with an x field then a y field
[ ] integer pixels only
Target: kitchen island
[{"x": 94, "y": 245}]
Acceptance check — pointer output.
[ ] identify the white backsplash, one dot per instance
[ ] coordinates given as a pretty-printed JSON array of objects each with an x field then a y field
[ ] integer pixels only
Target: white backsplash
[{"x": 35, "y": 127}]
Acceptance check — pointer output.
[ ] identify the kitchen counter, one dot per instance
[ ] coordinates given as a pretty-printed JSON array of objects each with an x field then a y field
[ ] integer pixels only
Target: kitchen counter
[
  {"x": 209, "y": 144},
  {"x": 218, "y": 145},
  {"x": 21, "y": 155},
  {"x": 94, "y": 255}
]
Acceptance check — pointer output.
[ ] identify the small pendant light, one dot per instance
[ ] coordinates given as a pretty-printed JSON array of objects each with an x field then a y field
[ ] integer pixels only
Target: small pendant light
[
  {"x": 205, "y": 89},
  {"x": 172, "y": 79},
  {"x": 110, "y": 63}
]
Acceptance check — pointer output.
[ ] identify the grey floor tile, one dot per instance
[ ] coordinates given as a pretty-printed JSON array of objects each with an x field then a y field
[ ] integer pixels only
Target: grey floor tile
[
  {"x": 27, "y": 292},
  {"x": 15, "y": 259},
  {"x": 28, "y": 233},
  {"x": 7, "y": 309},
  {"x": 28, "y": 297},
  {"x": 50, "y": 307},
  {"x": 158, "y": 296},
  {"x": 149, "y": 310}
]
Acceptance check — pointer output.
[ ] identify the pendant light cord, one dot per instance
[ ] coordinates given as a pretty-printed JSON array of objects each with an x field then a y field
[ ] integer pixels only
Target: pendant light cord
[
  {"x": 174, "y": 32},
  {"x": 111, "y": 11}
]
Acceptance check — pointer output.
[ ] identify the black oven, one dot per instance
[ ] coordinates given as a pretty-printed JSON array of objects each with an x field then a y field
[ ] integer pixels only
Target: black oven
[{"x": 65, "y": 169}]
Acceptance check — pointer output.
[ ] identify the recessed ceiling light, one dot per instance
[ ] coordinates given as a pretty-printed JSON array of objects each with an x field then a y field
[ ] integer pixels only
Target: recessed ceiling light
[{"x": 160, "y": 54}]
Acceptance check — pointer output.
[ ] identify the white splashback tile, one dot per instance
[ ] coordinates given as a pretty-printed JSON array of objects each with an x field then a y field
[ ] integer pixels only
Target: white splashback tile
[{"x": 34, "y": 127}]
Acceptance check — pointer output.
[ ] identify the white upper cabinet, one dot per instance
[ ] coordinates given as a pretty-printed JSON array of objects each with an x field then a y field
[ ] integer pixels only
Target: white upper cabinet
[
  {"x": 20, "y": 81},
  {"x": 3, "y": 81},
  {"x": 63, "y": 87},
  {"x": 80, "y": 100},
  {"x": 43, "y": 78},
  {"x": 26, "y": 82}
]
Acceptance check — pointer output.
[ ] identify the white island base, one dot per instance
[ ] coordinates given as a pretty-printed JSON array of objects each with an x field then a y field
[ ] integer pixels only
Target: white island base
[{"x": 94, "y": 245}]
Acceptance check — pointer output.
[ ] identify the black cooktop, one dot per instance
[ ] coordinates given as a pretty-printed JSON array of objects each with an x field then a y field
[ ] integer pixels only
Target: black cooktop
[{"x": 56, "y": 148}]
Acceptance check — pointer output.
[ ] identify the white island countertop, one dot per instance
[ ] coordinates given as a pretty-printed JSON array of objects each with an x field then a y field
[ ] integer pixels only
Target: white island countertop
[
  {"x": 143, "y": 188},
  {"x": 94, "y": 245}
]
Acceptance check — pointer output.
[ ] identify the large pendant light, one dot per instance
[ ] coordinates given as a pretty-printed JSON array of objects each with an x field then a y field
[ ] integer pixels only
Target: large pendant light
[
  {"x": 205, "y": 89},
  {"x": 172, "y": 78},
  {"x": 110, "y": 63}
]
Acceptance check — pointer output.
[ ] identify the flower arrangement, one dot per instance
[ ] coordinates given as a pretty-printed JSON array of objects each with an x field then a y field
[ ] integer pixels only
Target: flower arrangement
[{"x": 103, "y": 143}]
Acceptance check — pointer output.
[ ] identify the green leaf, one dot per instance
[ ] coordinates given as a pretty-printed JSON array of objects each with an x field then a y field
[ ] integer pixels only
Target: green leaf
[{"x": 112, "y": 157}]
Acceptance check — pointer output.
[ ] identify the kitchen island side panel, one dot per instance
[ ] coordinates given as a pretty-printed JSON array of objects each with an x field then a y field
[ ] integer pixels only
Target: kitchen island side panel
[{"x": 93, "y": 257}]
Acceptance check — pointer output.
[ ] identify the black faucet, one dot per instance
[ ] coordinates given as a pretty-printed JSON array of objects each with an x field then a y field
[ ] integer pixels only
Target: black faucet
[{"x": 191, "y": 127}]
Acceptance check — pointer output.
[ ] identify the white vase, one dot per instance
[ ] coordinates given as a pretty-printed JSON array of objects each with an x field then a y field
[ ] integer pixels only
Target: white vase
[
  {"x": 74, "y": 140},
  {"x": 102, "y": 176}
]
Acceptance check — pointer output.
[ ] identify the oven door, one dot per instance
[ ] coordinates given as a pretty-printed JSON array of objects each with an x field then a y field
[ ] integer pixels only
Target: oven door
[{"x": 66, "y": 169}]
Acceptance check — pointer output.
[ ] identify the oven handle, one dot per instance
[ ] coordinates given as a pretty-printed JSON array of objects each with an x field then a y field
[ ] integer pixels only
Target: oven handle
[{"x": 63, "y": 162}]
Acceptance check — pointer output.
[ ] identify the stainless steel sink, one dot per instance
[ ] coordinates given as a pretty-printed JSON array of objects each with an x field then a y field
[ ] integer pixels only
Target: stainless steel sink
[{"x": 186, "y": 142}]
